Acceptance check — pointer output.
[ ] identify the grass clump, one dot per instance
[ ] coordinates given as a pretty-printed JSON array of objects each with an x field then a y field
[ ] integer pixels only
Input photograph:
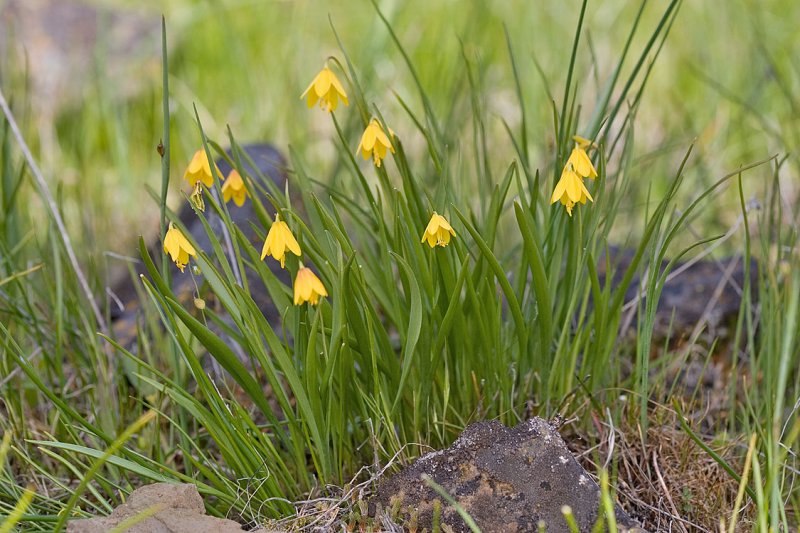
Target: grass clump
[{"x": 434, "y": 284}]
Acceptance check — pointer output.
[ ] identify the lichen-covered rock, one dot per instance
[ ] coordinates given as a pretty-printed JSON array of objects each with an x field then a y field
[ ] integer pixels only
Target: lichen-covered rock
[
  {"x": 159, "y": 508},
  {"x": 507, "y": 479}
]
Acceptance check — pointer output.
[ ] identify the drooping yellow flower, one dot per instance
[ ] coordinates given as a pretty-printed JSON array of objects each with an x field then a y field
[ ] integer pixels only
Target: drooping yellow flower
[
  {"x": 178, "y": 247},
  {"x": 199, "y": 169},
  {"x": 308, "y": 287},
  {"x": 438, "y": 232},
  {"x": 570, "y": 190},
  {"x": 279, "y": 239},
  {"x": 325, "y": 89},
  {"x": 375, "y": 143},
  {"x": 234, "y": 188}
]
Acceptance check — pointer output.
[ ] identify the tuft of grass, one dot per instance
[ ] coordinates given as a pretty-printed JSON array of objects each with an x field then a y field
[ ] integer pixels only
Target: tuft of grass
[{"x": 413, "y": 343}]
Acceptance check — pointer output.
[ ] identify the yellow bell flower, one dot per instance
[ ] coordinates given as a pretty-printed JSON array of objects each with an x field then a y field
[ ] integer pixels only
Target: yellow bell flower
[
  {"x": 308, "y": 287},
  {"x": 199, "y": 169},
  {"x": 234, "y": 188},
  {"x": 279, "y": 239},
  {"x": 570, "y": 190},
  {"x": 375, "y": 143},
  {"x": 325, "y": 89},
  {"x": 178, "y": 247},
  {"x": 438, "y": 232}
]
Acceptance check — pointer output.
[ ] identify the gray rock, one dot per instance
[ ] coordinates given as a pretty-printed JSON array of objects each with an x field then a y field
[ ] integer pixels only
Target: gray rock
[
  {"x": 705, "y": 290},
  {"x": 507, "y": 479},
  {"x": 160, "y": 508},
  {"x": 126, "y": 311}
]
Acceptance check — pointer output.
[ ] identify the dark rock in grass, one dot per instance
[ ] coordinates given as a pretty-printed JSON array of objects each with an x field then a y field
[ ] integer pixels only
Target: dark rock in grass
[
  {"x": 126, "y": 313},
  {"x": 705, "y": 293},
  {"x": 160, "y": 508},
  {"x": 507, "y": 479}
]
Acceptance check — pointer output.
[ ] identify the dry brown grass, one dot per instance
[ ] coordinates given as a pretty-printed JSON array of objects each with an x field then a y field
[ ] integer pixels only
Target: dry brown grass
[{"x": 664, "y": 479}]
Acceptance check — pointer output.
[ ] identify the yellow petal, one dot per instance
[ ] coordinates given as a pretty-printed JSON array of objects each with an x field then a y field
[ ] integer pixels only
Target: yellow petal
[
  {"x": 204, "y": 162},
  {"x": 312, "y": 99},
  {"x": 298, "y": 297},
  {"x": 582, "y": 164},
  {"x": 170, "y": 245},
  {"x": 234, "y": 188},
  {"x": 431, "y": 228},
  {"x": 368, "y": 138},
  {"x": 445, "y": 225},
  {"x": 267, "y": 248},
  {"x": 322, "y": 83},
  {"x": 307, "y": 290},
  {"x": 381, "y": 137},
  {"x": 183, "y": 258},
  {"x": 196, "y": 164},
  {"x": 380, "y": 151},
  {"x": 184, "y": 243},
  {"x": 291, "y": 243},
  {"x": 339, "y": 89},
  {"x": 303, "y": 286},
  {"x": 278, "y": 244},
  {"x": 199, "y": 169},
  {"x": 585, "y": 194},
  {"x": 318, "y": 287},
  {"x": 560, "y": 190},
  {"x": 573, "y": 183},
  {"x": 442, "y": 237},
  {"x": 332, "y": 101}
]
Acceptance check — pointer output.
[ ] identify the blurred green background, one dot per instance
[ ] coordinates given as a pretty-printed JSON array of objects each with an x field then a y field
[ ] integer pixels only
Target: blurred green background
[{"x": 727, "y": 79}]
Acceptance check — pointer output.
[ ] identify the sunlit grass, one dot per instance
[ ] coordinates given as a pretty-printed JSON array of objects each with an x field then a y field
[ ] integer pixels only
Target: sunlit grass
[{"x": 411, "y": 341}]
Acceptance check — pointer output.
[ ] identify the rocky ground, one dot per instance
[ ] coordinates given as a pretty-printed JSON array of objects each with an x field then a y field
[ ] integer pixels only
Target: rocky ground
[{"x": 505, "y": 479}]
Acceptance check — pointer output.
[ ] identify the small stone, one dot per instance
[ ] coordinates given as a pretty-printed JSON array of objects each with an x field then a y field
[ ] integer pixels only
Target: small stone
[{"x": 162, "y": 508}]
